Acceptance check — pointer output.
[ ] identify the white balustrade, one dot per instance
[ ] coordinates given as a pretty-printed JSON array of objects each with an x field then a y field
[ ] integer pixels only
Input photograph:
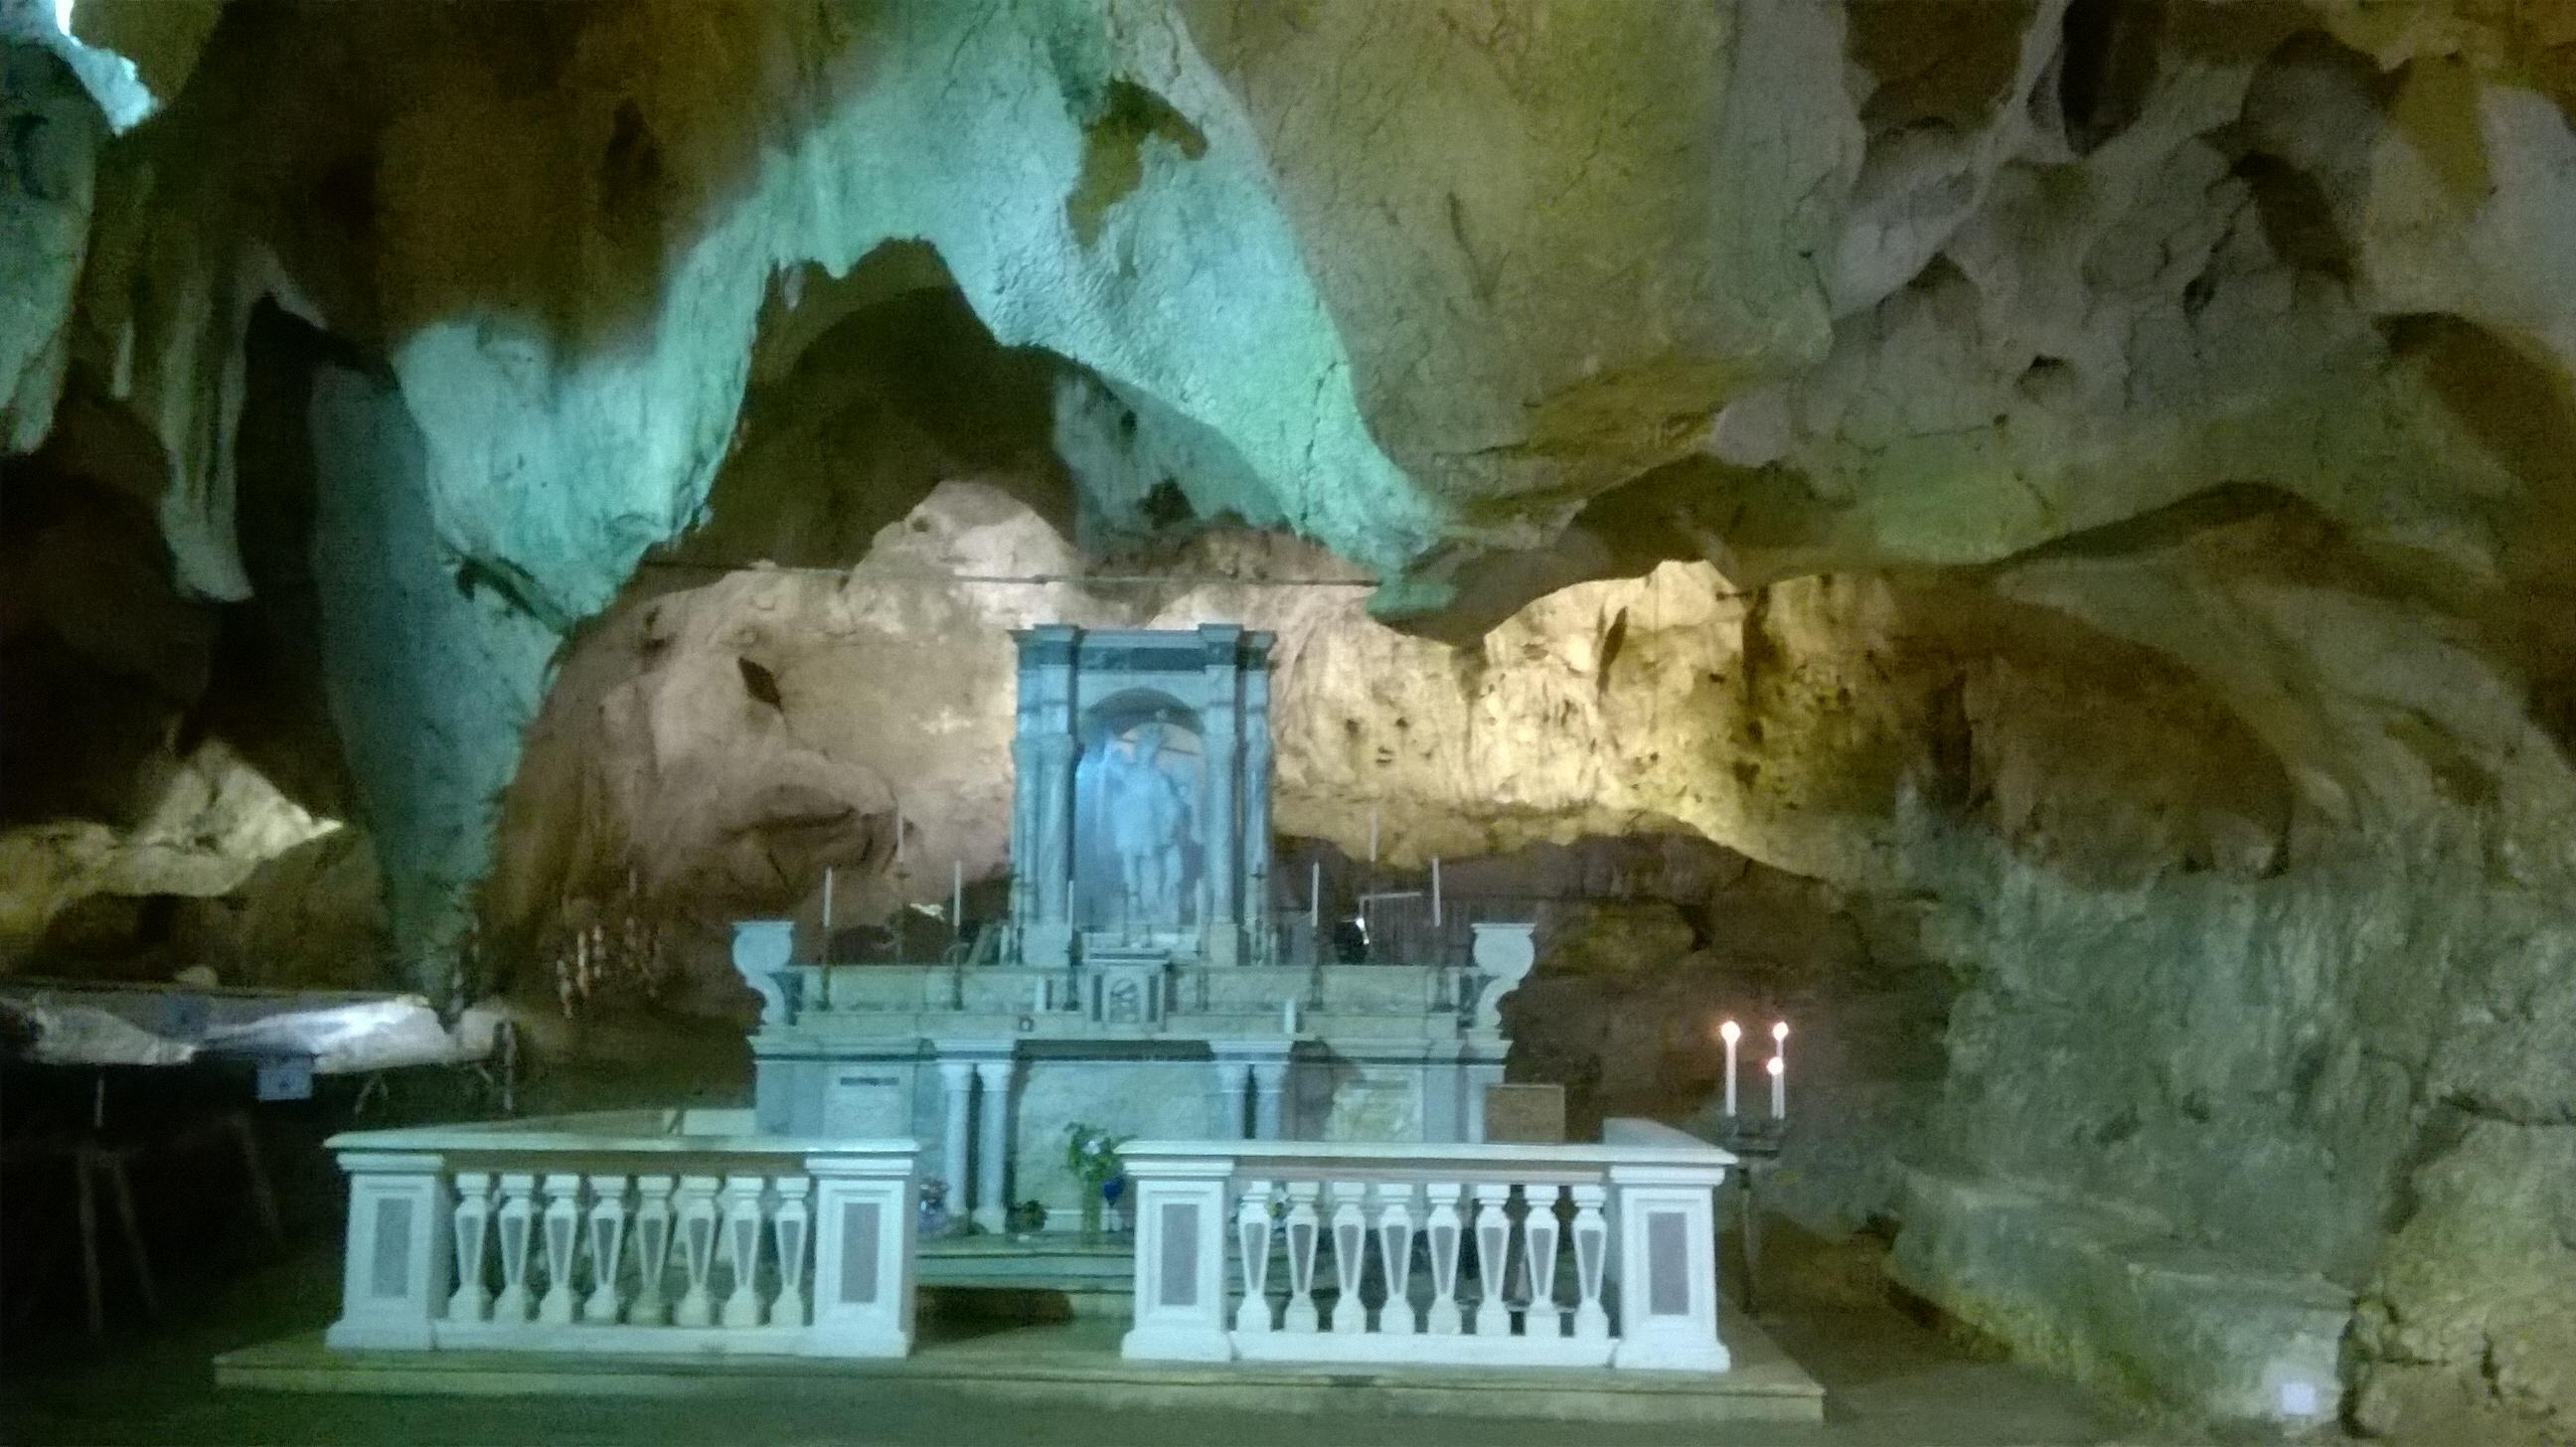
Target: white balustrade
[
  {"x": 631, "y": 1231},
  {"x": 1437, "y": 1253}
]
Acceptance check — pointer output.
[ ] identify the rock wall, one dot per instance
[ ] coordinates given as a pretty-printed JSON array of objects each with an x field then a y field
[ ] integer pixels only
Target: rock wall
[{"x": 2086, "y": 481}]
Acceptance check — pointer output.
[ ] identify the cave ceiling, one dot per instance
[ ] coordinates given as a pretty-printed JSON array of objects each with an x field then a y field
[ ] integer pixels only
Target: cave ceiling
[{"x": 2239, "y": 333}]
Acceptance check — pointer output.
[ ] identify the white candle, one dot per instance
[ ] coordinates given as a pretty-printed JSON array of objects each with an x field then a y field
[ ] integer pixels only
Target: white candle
[
  {"x": 1288, "y": 1017},
  {"x": 1435, "y": 891},
  {"x": 826, "y": 953},
  {"x": 1779, "y": 1068},
  {"x": 957, "y": 896},
  {"x": 1315, "y": 895},
  {"x": 1730, "y": 1032}
]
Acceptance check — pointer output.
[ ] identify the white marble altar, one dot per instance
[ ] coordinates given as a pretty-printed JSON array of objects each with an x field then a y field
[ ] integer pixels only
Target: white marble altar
[{"x": 1138, "y": 984}]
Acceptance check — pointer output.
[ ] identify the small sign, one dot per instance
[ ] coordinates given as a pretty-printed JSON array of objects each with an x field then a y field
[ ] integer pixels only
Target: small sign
[
  {"x": 1525, "y": 1114},
  {"x": 286, "y": 1077}
]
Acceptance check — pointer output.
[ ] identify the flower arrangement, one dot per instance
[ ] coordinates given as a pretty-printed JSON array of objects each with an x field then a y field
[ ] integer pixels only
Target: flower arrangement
[{"x": 1091, "y": 1155}]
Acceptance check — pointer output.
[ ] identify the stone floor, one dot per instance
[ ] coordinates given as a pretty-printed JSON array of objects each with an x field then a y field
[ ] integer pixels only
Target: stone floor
[{"x": 1889, "y": 1382}]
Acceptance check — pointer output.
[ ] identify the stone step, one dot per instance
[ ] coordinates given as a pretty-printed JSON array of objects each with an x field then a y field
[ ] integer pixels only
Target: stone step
[{"x": 1045, "y": 1278}]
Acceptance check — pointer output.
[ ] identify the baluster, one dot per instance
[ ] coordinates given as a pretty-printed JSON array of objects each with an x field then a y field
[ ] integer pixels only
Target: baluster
[
  {"x": 1252, "y": 1226},
  {"x": 1538, "y": 1256},
  {"x": 695, "y": 1205},
  {"x": 1350, "y": 1258},
  {"x": 792, "y": 1220},
  {"x": 518, "y": 1210},
  {"x": 1591, "y": 1254},
  {"x": 472, "y": 1223},
  {"x": 1304, "y": 1227},
  {"x": 607, "y": 1246},
  {"x": 1493, "y": 1257},
  {"x": 1443, "y": 1230},
  {"x": 562, "y": 1234},
  {"x": 1395, "y": 1257},
  {"x": 742, "y": 1200},
  {"x": 652, "y": 1251}
]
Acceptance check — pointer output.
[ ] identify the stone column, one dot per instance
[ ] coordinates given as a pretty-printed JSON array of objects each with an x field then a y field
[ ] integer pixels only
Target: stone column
[
  {"x": 1233, "y": 1084},
  {"x": 1220, "y": 840},
  {"x": 1473, "y": 1079},
  {"x": 1254, "y": 775},
  {"x": 1042, "y": 801},
  {"x": 1270, "y": 1080},
  {"x": 957, "y": 1098},
  {"x": 993, "y": 1159}
]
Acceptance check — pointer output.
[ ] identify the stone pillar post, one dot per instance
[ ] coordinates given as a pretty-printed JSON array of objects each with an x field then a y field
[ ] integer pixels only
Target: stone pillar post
[
  {"x": 957, "y": 1098},
  {"x": 993, "y": 1158}
]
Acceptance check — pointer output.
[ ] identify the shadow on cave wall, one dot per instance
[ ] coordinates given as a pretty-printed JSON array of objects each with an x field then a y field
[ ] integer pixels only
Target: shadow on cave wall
[
  {"x": 132, "y": 706},
  {"x": 868, "y": 391}
]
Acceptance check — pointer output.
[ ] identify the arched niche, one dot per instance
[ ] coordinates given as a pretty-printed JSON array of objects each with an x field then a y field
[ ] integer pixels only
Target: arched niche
[{"x": 1138, "y": 788}]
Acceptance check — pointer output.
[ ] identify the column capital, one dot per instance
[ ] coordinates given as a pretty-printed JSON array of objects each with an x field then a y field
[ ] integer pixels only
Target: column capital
[{"x": 970, "y": 1049}]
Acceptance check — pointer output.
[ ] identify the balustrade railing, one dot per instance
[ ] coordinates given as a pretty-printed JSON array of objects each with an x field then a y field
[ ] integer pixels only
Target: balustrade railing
[
  {"x": 1562, "y": 1255},
  {"x": 647, "y": 1231}
]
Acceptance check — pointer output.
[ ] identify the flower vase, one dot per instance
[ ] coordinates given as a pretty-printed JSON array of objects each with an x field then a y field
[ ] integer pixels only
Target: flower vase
[{"x": 1091, "y": 1205}]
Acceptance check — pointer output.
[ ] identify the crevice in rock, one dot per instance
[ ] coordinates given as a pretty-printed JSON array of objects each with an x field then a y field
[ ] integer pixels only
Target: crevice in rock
[
  {"x": 2106, "y": 67},
  {"x": 2297, "y": 218}
]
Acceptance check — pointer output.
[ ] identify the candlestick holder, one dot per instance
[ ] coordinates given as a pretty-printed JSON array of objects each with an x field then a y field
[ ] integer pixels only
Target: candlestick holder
[{"x": 1755, "y": 1137}]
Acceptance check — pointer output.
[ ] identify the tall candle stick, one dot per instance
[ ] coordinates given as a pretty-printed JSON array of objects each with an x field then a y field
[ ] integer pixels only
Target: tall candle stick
[
  {"x": 823, "y": 956},
  {"x": 1730, "y": 1032},
  {"x": 1435, "y": 891},
  {"x": 1779, "y": 1068},
  {"x": 957, "y": 897},
  {"x": 1315, "y": 895}
]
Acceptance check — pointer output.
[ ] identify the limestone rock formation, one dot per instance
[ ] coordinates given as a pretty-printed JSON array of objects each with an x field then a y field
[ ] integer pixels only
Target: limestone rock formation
[{"x": 2083, "y": 485}]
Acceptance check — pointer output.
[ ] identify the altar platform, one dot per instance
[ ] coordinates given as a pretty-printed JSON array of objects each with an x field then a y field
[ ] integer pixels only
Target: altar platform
[{"x": 1075, "y": 1364}]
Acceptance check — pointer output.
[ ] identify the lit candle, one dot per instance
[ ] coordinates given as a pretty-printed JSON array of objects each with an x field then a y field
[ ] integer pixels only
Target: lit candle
[
  {"x": 1779, "y": 1068},
  {"x": 1435, "y": 891},
  {"x": 1730, "y": 1032}
]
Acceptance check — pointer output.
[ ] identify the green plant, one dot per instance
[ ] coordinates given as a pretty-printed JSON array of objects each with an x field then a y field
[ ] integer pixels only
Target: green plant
[{"x": 1091, "y": 1154}]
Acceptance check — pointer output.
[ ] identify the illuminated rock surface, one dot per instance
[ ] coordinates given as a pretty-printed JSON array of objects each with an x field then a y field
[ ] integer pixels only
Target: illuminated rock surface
[{"x": 2069, "y": 504}]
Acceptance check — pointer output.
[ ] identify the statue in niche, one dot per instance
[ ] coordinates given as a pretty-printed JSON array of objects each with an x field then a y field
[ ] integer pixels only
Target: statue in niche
[{"x": 1148, "y": 814}]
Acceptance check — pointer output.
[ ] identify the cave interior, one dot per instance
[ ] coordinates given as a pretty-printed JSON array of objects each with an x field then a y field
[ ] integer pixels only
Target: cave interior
[{"x": 2035, "y": 539}]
